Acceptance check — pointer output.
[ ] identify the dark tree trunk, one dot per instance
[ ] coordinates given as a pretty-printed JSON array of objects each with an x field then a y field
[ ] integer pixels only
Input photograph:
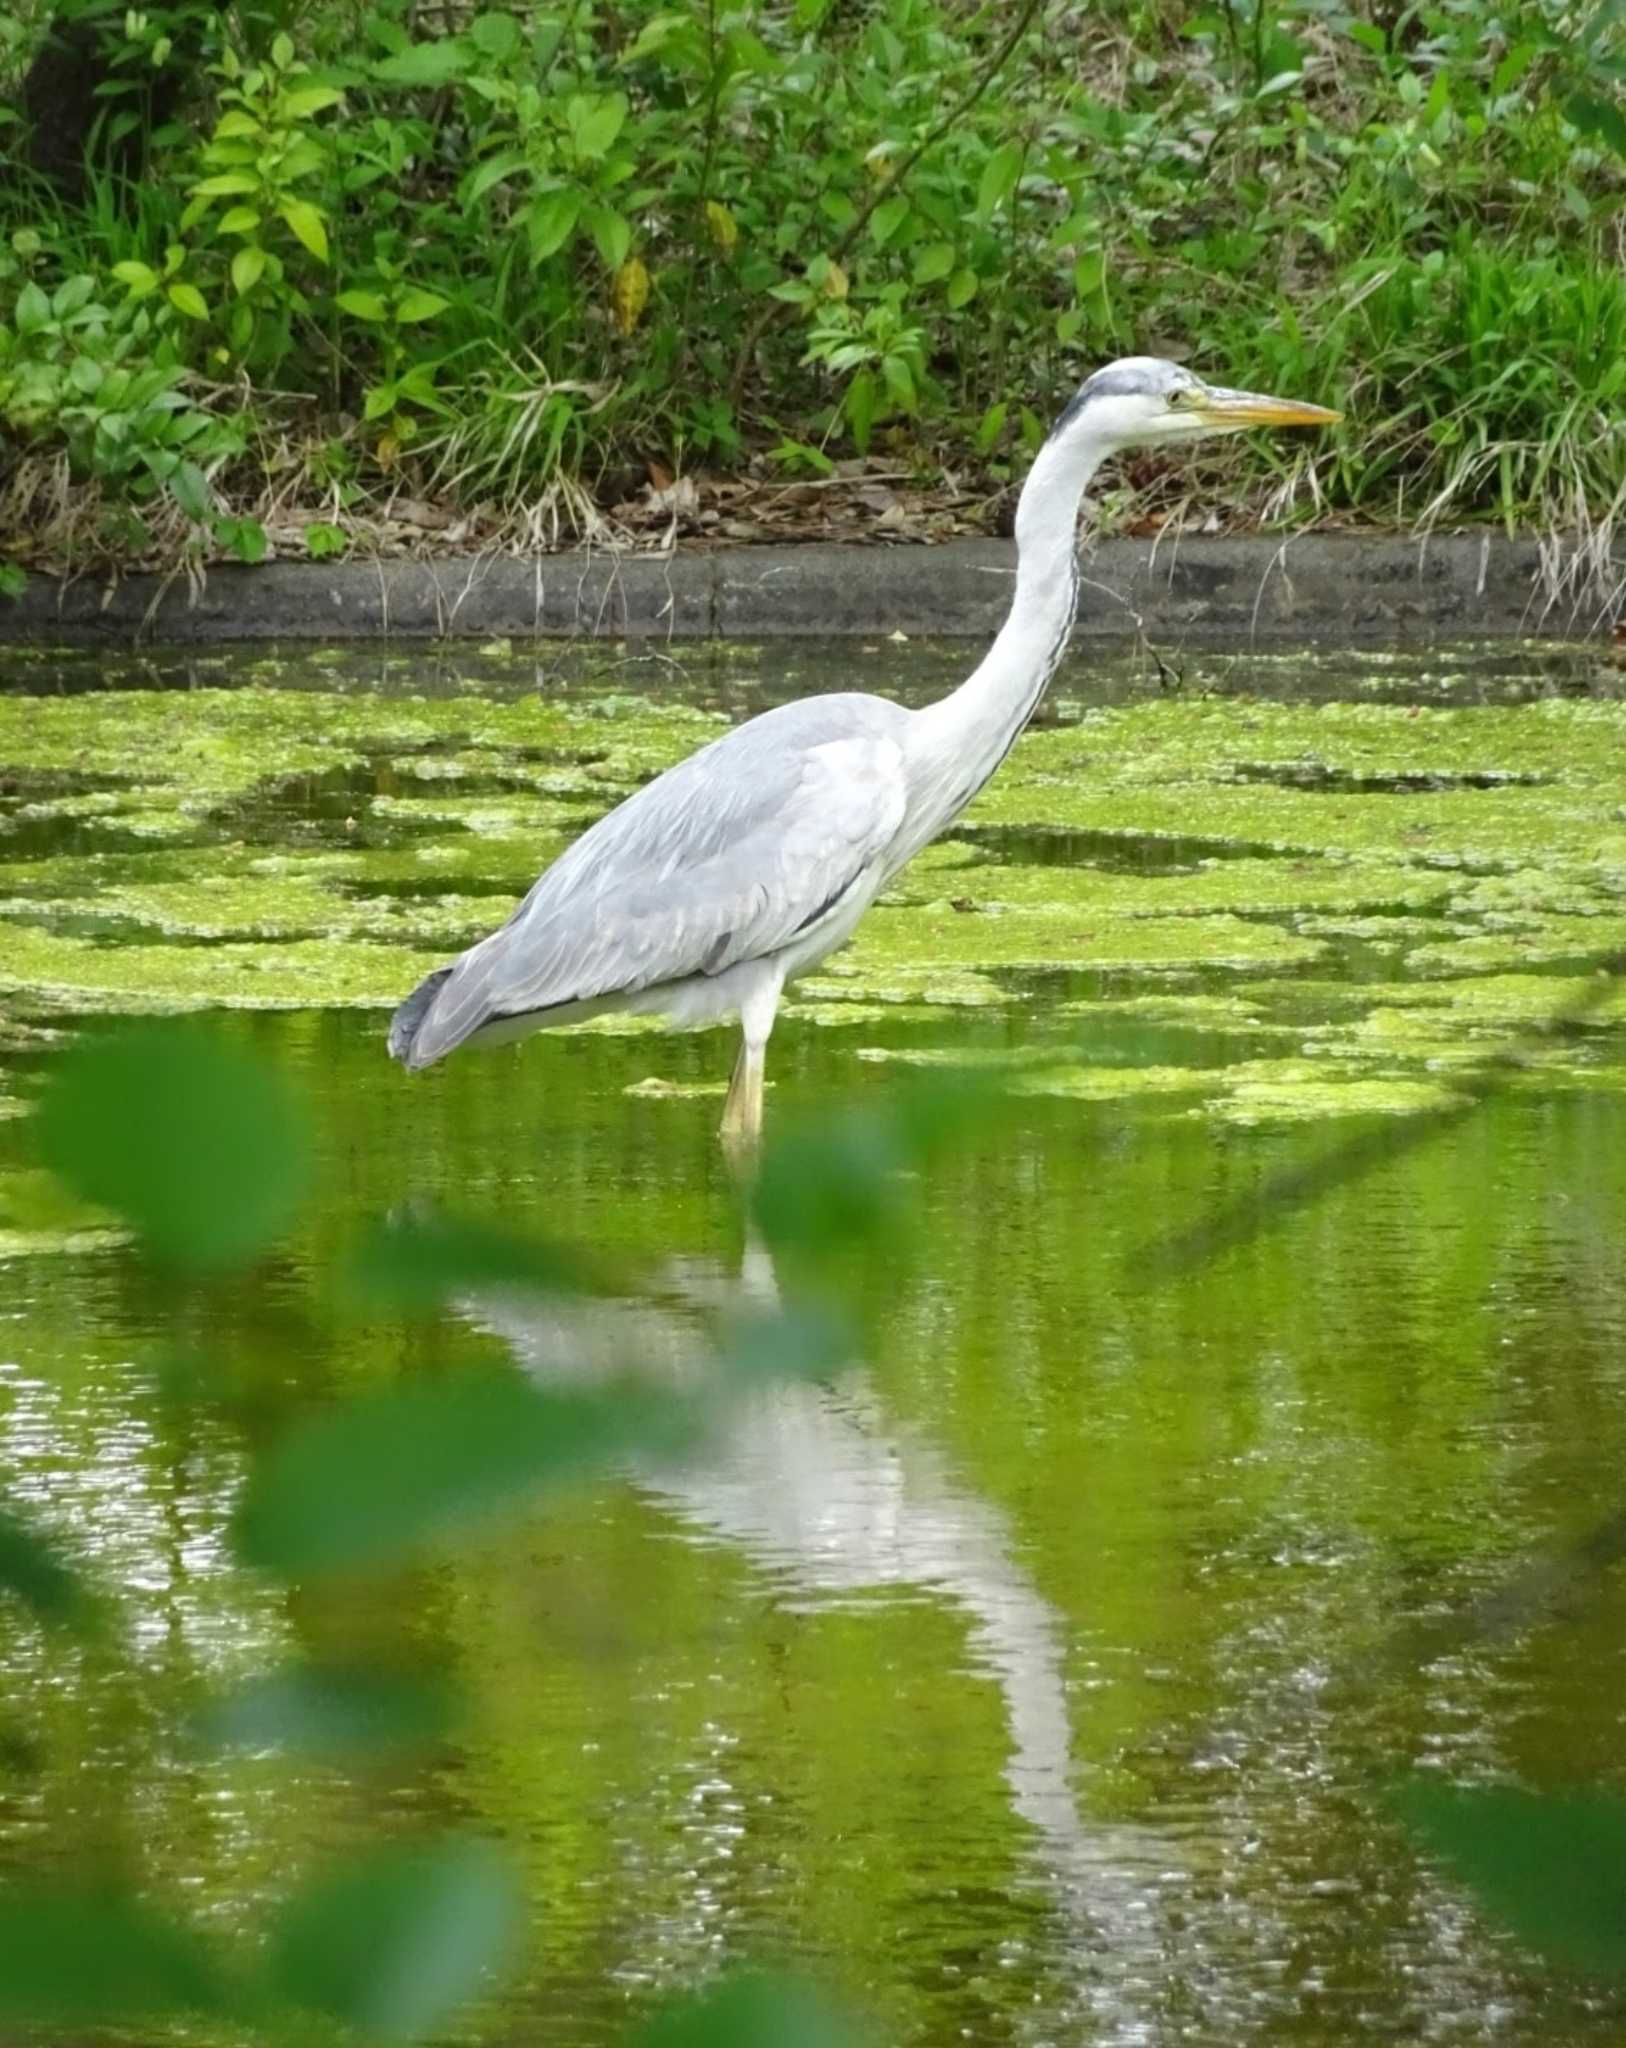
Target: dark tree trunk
[{"x": 65, "y": 118}]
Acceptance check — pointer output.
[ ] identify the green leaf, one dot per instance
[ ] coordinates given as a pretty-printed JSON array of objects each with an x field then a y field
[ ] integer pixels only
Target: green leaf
[
  {"x": 369, "y": 1483},
  {"x": 237, "y": 126},
  {"x": 100, "y": 1958},
  {"x": 612, "y": 235},
  {"x": 900, "y": 382},
  {"x": 140, "y": 277},
  {"x": 934, "y": 262},
  {"x": 395, "y": 1941},
  {"x": 887, "y": 218},
  {"x": 31, "y": 1568},
  {"x": 308, "y": 100},
  {"x": 238, "y": 220},
  {"x": 999, "y": 176},
  {"x": 850, "y": 1180},
  {"x": 413, "y": 1266},
  {"x": 245, "y": 537},
  {"x": 363, "y": 305},
  {"x": 247, "y": 268},
  {"x": 330, "y": 1713},
  {"x": 492, "y": 172},
  {"x": 323, "y": 539},
  {"x": 187, "y": 299},
  {"x": 226, "y": 182},
  {"x": 194, "y": 1142},
  {"x": 597, "y": 126},
  {"x": 190, "y": 489},
  {"x": 1598, "y": 118},
  {"x": 749, "y": 2012},
  {"x": 306, "y": 223},
  {"x": 496, "y": 35},
  {"x": 13, "y": 580},
  {"x": 962, "y": 287},
  {"x": 991, "y": 426},
  {"x": 416, "y": 304},
  {"x": 33, "y": 309},
  {"x": 425, "y": 64},
  {"x": 282, "y": 51},
  {"x": 1553, "y": 1868},
  {"x": 550, "y": 221},
  {"x": 859, "y": 402}
]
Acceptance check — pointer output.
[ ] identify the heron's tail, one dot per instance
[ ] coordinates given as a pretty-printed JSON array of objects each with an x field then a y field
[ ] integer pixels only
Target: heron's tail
[{"x": 405, "y": 1024}]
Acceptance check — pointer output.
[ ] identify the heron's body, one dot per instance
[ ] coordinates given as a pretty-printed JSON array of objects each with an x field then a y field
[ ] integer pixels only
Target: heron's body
[{"x": 708, "y": 890}]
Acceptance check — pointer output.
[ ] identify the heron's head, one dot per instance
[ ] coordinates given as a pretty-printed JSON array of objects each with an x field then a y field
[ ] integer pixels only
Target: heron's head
[{"x": 1143, "y": 401}]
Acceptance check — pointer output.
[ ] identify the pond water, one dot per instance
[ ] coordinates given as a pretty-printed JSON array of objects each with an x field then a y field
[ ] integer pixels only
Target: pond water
[{"x": 1038, "y": 1678}]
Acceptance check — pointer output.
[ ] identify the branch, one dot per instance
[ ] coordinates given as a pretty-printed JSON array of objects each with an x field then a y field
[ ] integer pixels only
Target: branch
[{"x": 773, "y": 308}]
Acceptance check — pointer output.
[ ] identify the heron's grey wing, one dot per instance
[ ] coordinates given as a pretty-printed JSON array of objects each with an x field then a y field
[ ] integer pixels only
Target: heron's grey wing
[{"x": 724, "y": 858}]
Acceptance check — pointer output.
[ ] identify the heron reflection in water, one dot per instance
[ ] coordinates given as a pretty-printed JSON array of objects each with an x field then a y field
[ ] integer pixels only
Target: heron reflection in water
[
  {"x": 830, "y": 1500},
  {"x": 744, "y": 866}
]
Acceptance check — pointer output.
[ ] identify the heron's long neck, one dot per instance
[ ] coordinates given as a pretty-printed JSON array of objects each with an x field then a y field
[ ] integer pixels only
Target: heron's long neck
[{"x": 957, "y": 743}]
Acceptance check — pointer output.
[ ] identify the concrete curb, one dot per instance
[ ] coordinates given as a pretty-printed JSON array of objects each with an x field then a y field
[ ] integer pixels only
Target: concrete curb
[{"x": 1315, "y": 587}]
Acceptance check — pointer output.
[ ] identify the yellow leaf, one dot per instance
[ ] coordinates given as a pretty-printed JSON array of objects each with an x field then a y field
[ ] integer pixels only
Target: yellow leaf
[
  {"x": 835, "y": 281},
  {"x": 725, "y": 230},
  {"x": 389, "y": 447},
  {"x": 629, "y": 294}
]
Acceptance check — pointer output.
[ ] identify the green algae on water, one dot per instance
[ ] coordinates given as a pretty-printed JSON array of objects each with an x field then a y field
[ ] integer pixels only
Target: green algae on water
[{"x": 1303, "y": 875}]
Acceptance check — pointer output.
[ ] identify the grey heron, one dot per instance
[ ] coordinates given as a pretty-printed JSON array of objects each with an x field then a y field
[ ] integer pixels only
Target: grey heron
[{"x": 705, "y": 892}]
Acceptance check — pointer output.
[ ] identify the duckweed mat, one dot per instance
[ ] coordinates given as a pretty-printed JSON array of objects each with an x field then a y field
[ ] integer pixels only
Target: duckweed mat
[{"x": 1257, "y": 903}]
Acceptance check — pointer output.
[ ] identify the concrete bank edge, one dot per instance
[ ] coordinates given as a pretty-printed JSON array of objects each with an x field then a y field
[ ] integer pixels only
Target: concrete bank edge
[{"x": 1313, "y": 587}]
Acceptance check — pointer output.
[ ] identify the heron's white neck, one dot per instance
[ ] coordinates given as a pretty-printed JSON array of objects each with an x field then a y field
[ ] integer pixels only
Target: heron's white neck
[{"x": 957, "y": 743}]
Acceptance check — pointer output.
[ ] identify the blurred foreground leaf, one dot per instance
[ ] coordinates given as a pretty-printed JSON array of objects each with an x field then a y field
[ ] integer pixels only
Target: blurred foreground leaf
[
  {"x": 197, "y": 1144},
  {"x": 96, "y": 1958},
  {"x": 329, "y": 1713},
  {"x": 1553, "y": 1868},
  {"x": 31, "y": 1568},
  {"x": 845, "y": 1181},
  {"x": 367, "y": 1483},
  {"x": 414, "y": 1265},
  {"x": 750, "y": 2012},
  {"x": 395, "y": 1941}
]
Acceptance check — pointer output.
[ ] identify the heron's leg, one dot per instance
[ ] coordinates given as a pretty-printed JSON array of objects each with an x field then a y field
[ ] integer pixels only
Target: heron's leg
[{"x": 742, "y": 1112}]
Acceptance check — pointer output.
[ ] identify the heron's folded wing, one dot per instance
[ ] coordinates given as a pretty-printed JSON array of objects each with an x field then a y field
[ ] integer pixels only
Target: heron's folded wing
[{"x": 719, "y": 860}]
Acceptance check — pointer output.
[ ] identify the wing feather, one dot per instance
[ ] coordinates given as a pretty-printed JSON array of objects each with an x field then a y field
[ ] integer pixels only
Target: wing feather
[{"x": 726, "y": 857}]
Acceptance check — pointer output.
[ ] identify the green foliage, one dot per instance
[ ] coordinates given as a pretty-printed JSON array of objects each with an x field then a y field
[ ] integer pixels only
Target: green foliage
[
  {"x": 91, "y": 1958},
  {"x": 50, "y": 1588},
  {"x": 102, "y": 377},
  {"x": 193, "y": 1144},
  {"x": 1551, "y": 1866},
  {"x": 533, "y": 248},
  {"x": 395, "y": 1941},
  {"x": 366, "y": 1484},
  {"x": 197, "y": 1145},
  {"x": 335, "y": 1713},
  {"x": 749, "y": 2012}
]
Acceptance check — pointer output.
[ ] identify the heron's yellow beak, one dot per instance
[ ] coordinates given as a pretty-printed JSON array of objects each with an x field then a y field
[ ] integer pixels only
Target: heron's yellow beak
[{"x": 1236, "y": 409}]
